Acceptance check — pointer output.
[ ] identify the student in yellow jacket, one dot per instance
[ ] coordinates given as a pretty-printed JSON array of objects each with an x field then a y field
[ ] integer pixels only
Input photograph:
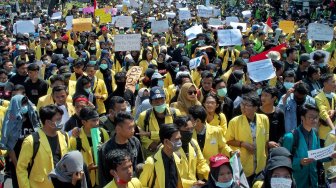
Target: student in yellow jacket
[
  {"x": 210, "y": 138},
  {"x": 325, "y": 101},
  {"x": 331, "y": 139},
  {"x": 249, "y": 133},
  {"x": 44, "y": 160},
  {"x": 90, "y": 119},
  {"x": 159, "y": 113},
  {"x": 98, "y": 88},
  {"x": 163, "y": 169},
  {"x": 103, "y": 67},
  {"x": 120, "y": 165},
  {"x": 229, "y": 55},
  {"x": 147, "y": 59},
  {"x": 194, "y": 166}
]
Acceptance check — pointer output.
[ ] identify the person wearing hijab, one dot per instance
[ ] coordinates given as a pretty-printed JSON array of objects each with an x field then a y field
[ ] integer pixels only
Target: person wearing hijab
[
  {"x": 234, "y": 84},
  {"x": 70, "y": 172},
  {"x": 187, "y": 97},
  {"x": 84, "y": 87},
  {"x": 221, "y": 173},
  {"x": 142, "y": 102},
  {"x": 172, "y": 70}
]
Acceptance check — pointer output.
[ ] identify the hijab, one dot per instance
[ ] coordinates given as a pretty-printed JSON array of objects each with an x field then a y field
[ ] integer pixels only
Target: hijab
[
  {"x": 70, "y": 163},
  {"x": 183, "y": 103},
  {"x": 140, "y": 97}
]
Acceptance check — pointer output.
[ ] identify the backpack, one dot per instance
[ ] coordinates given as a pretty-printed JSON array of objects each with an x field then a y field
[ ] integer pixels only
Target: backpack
[
  {"x": 149, "y": 111},
  {"x": 79, "y": 145},
  {"x": 36, "y": 145}
]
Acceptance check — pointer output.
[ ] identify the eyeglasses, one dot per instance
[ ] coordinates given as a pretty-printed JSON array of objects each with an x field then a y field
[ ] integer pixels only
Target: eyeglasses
[
  {"x": 192, "y": 92},
  {"x": 246, "y": 104},
  {"x": 312, "y": 118}
]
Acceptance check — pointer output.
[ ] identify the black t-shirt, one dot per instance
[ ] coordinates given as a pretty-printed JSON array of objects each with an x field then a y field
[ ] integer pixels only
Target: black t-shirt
[
  {"x": 277, "y": 124},
  {"x": 55, "y": 148},
  {"x": 35, "y": 90},
  {"x": 18, "y": 79},
  {"x": 171, "y": 175},
  {"x": 73, "y": 122},
  {"x": 201, "y": 140}
]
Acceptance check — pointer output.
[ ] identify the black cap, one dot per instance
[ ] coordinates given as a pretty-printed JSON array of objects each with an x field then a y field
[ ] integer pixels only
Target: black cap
[
  {"x": 279, "y": 161},
  {"x": 279, "y": 151},
  {"x": 149, "y": 72},
  {"x": 306, "y": 57}
]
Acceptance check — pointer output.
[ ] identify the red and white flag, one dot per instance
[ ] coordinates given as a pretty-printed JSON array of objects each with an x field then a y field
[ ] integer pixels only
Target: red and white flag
[{"x": 268, "y": 25}]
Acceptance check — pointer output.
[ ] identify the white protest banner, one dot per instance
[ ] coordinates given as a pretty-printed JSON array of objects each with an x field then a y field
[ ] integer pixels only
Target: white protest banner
[
  {"x": 216, "y": 12},
  {"x": 235, "y": 25},
  {"x": 68, "y": 21},
  {"x": 261, "y": 70},
  {"x": 230, "y": 19},
  {"x": 229, "y": 37},
  {"x": 326, "y": 54},
  {"x": 36, "y": 21},
  {"x": 178, "y": 5},
  {"x": 193, "y": 31},
  {"x": 215, "y": 22},
  {"x": 114, "y": 19},
  {"x": 184, "y": 14},
  {"x": 322, "y": 153},
  {"x": 124, "y": 21},
  {"x": 24, "y": 26},
  {"x": 160, "y": 26},
  {"x": 129, "y": 42},
  {"x": 318, "y": 31},
  {"x": 246, "y": 14},
  {"x": 170, "y": 14},
  {"x": 207, "y": 3},
  {"x": 151, "y": 19},
  {"x": 56, "y": 16},
  {"x": 194, "y": 63},
  {"x": 205, "y": 12}
]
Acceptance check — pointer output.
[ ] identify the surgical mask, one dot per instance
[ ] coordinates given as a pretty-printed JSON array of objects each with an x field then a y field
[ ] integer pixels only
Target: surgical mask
[
  {"x": 45, "y": 61},
  {"x": 103, "y": 66},
  {"x": 186, "y": 137},
  {"x": 281, "y": 182},
  {"x": 224, "y": 184},
  {"x": 177, "y": 69},
  {"x": 214, "y": 74},
  {"x": 222, "y": 92},
  {"x": 160, "y": 109},
  {"x": 59, "y": 125},
  {"x": 176, "y": 145},
  {"x": 92, "y": 62},
  {"x": 246, "y": 60},
  {"x": 24, "y": 109},
  {"x": 160, "y": 83},
  {"x": 155, "y": 43},
  {"x": 259, "y": 91},
  {"x": 321, "y": 65},
  {"x": 87, "y": 90},
  {"x": 240, "y": 82},
  {"x": 284, "y": 55},
  {"x": 181, "y": 45},
  {"x": 201, "y": 42},
  {"x": 288, "y": 85},
  {"x": 92, "y": 48},
  {"x": 329, "y": 95},
  {"x": 3, "y": 84}
]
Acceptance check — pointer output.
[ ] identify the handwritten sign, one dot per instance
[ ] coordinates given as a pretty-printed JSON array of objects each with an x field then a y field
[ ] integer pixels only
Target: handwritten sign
[
  {"x": 215, "y": 22},
  {"x": 235, "y": 25},
  {"x": 132, "y": 77},
  {"x": 261, "y": 70},
  {"x": 82, "y": 24},
  {"x": 56, "y": 16},
  {"x": 124, "y": 21},
  {"x": 193, "y": 31},
  {"x": 36, "y": 21},
  {"x": 229, "y": 37},
  {"x": 318, "y": 31},
  {"x": 159, "y": 26},
  {"x": 68, "y": 21},
  {"x": 129, "y": 42},
  {"x": 194, "y": 63},
  {"x": 322, "y": 153},
  {"x": 247, "y": 14},
  {"x": 184, "y": 14},
  {"x": 205, "y": 12},
  {"x": 216, "y": 12},
  {"x": 286, "y": 26},
  {"x": 170, "y": 14},
  {"x": 230, "y": 19},
  {"x": 24, "y": 26}
]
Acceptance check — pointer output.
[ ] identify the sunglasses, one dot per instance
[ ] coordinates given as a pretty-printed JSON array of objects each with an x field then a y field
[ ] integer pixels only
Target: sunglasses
[{"x": 192, "y": 92}]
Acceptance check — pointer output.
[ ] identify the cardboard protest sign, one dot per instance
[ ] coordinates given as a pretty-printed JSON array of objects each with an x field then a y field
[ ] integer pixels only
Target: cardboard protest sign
[
  {"x": 287, "y": 26},
  {"x": 235, "y": 25},
  {"x": 24, "y": 26},
  {"x": 132, "y": 77},
  {"x": 124, "y": 21},
  {"x": 205, "y": 12},
  {"x": 317, "y": 31},
  {"x": 160, "y": 26},
  {"x": 184, "y": 14},
  {"x": 261, "y": 70},
  {"x": 193, "y": 31},
  {"x": 216, "y": 12},
  {"x": 229, "y": 37},
  {"x": 68, "y": 21},
  {"x": 247, "y": 14},
  {"x": 129, "y": 42},
  {"x": 82, "y": 24}
]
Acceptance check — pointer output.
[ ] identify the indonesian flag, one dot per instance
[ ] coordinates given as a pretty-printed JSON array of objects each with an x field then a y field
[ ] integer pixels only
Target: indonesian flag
[
  {"x": 95, "y": 4},
  {"x": 263, "y": 56},
  {"x": 268, "y": 25}
]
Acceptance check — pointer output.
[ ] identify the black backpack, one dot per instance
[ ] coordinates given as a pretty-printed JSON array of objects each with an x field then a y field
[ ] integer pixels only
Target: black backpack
[
  {"x": 36, "y": 145},
  {"x": 148, "y": 113}
]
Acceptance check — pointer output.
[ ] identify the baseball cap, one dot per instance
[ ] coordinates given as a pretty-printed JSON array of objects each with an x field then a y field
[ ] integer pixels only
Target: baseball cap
[
  {"x": 218, "y": 160},
  {"x": 156, "y": 93},
  {"x": 279, "y": 161},
  {"x": 65, "y": 38},
  {"x": 65, "y": 71},
  {"x": 331, "y": 172},
  {"x": 104, "y": 28},
  {"x": 306, "y": 57},
  {"x": 149, "y": 72},
  {"x": 157, "y": 75}
]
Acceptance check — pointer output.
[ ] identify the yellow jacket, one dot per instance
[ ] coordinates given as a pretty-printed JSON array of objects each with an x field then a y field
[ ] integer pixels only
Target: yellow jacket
[
  {"x": 43, "y": 161},
  {"x": 72, "y": 51},
  {"x": 38, "y": 52},
  {"x": 134, "y": 183},
  {"x": 168, "y": 80},
  {"x": 153, "y": 126},
  {"x": 71, "y": 88},
  {"x": 108, "y": 36},
  {"x": 196, "y": 77},
  {"x": 195, "y": 163},
  {"x": 219, "y": 121},
  {"x": 171, "y": 91},
  {"x": 214, "y": 142},
  {"x": 224, "y": 54},
  {"x": 144, "y": 64},
  {"x": 99, "y": 88},
  {"x": 73, "y": 76},
  {"x": 331, "y": 139},
  {"x": 87, "y": 151},
  {"x": 324, "y": 106},
  {"x": 239, "y": 130},
  {"x": 332, "y": 61},
  {"x": 116, "y": 67},
  {"x": 155, "y": 165},
  {"x": 101, "y": 76},
  {"x": 47, "y": 99}
]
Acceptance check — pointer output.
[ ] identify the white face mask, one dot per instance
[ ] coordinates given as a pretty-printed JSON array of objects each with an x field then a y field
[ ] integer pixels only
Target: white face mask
[{"x": 281, "y": 182}]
